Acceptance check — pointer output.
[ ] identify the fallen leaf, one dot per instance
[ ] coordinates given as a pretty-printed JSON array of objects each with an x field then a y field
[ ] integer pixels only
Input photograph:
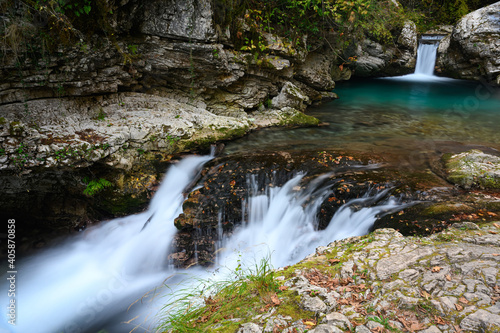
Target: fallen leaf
[
  {"x": 463, "y": 300},
  {"x": 416, "y": 327},
  {"x": 448, "y": 277},
  {"x": 459, "y": 307},
  {"x": 493, "y": 214},
  {"x": 495, "y": 254},
  {"x": 493, "y": 232},
  {"x": 425, "y": 294},
  {"x": 309, "y": 323},
  {"x": 275, "y": 299},
  {"x": 283, "y": 288},
  {"x": 457, "y": 329},
  {"x": 496, "y": 225},
  {"x": 439, "y": 320},
  {"x": 436, "y": 269},
  {"x": 334, "y": 261}
]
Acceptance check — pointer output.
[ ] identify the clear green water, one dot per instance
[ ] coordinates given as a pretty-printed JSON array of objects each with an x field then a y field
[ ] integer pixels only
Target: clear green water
[{"x": 394, "y": 116}]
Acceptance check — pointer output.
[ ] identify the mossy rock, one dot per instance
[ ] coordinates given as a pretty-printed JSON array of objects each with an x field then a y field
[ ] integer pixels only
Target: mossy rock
[
  {"x": 292, "y": 117},
  {"x": 473, "y": 169}
]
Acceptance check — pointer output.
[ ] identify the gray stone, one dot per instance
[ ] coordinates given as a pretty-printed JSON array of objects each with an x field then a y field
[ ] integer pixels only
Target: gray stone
[
  {"x": 314, "y": 304},
  {"x": 362, "y": 329},
  {"x": 448, "y": 303},
  {"x": 474, "y": 168},
  {"x": 276, "y": 321},
  {"x": 409, "y": 275},
  {"x": 475, "y": 45},
  {"x": 337, "y": 319},
  {"x": 250, "y": 328},
  {"x": 465, "y": 225},
  {"x": 290, "y": 96},
  {"x": 316, "y": 72},
  {"x": 373, "y": 324},
  {"x": 495, "y": 308},
  {"x": 388, "y": 266},
  {"x": 408, "y": 37},
  {"x": 323, "y": 328},
  {"x": 180, "y": 19},
  {"x": 481, "y": 321},
  {"x": 432, "y": 329}
]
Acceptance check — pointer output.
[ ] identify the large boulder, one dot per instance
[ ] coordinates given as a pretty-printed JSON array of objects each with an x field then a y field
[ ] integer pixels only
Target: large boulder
[
  {"x": 474, "y": 49},
  {"x": 375, "y": 59},
  {"x": 316, "y": 72},
  {"x": 372, "y": 58},
  {"x": 474, "y": 169}
]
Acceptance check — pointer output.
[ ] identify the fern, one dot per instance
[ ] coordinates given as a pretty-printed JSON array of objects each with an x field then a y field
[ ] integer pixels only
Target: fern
[{"x": 95, "y": 186}]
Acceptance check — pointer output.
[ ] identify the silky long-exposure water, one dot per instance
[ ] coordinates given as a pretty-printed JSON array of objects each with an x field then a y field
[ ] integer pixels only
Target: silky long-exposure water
[
  {"x": 89, "y": 282},
  {"x": 95, "y": 281}
]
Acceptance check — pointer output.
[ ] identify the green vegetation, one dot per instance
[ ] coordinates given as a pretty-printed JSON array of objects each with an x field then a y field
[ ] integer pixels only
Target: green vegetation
[
  {"x": 429, "y": 13},
  {"x": 316, "y": 19},
  {"x": 95, "y": 186},
  {"x": 248, "y": 293}
]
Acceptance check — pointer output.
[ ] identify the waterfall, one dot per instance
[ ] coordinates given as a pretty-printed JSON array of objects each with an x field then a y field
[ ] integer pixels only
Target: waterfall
[
  {"x": 426, "y": 58},
  {"x": 89, "y": 282},
  {"x": 426, "y": 61}
]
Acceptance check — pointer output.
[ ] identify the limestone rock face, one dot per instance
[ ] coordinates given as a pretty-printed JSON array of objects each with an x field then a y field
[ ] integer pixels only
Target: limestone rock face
[
  {"x": 375, "y": 59},
  {"x": 408, "y": 37},
  {"x": 474, "y": 49},
  {"x": 291, "y": 96},
  {"x": 372, "y": 59},
  {"x": 188, "y": 20},
  {"x": 316, "y": 72}
]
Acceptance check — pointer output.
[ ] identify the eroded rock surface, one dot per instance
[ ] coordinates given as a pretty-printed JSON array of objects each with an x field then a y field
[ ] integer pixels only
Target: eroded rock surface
[
  {"x": 452, "y": 284},
  {"x": 474, "y": 48}
]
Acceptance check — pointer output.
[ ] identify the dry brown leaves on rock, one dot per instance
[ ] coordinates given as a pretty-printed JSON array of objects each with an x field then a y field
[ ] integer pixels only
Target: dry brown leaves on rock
[
  {"x": 463, "y": 300},
  {"x": 410, "y": 321},
  {"x": 310, "y": 323},
  {"x": 436, "y": 269}
]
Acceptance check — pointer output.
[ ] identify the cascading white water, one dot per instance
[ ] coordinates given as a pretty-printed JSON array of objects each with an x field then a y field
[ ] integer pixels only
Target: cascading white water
[
  {"x": 93, "y": 278},
  {"x": 426, "y": 58},
  {"x": 426, "y": 61},
  {"x": 101, "y": 272}
]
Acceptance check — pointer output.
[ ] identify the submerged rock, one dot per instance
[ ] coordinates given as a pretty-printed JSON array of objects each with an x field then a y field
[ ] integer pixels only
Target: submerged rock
[{"x": 474, "y": 169}]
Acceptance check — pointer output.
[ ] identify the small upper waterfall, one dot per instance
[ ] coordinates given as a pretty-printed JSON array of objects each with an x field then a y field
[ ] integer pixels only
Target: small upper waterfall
[
  {"x": 426, "y": 54},
  {"x": 426, "y": 61}
]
